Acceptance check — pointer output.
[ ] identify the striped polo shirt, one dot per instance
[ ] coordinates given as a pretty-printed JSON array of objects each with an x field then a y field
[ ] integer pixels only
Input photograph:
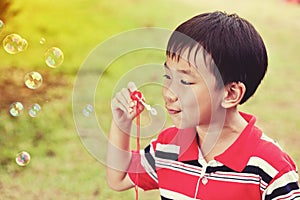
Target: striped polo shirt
[{"x": 253, "y": 167}]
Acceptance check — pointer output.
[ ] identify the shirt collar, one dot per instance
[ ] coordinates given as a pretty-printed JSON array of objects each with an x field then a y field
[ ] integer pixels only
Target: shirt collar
[{"x": 236, "y": 156}]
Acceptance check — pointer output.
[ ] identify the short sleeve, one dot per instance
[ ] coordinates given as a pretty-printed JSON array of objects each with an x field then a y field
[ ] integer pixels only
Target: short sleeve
[
  {"x": 142, "y": 169},
  {"x": 284, "y": 186}
]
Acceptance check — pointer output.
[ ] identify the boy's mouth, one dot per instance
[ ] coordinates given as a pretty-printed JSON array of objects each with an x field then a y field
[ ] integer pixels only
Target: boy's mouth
[{"x": 173, "y": 111}]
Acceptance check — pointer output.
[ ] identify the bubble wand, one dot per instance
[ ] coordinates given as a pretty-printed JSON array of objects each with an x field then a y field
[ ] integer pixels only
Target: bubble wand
[{"x": 138, "y": 97}]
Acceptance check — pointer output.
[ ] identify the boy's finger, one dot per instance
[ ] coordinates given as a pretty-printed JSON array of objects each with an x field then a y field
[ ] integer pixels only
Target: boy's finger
[
  {"x": 132, "y": 87},
  {"x": 126, "y": 96},
  {"x": 117, "y": 105}
]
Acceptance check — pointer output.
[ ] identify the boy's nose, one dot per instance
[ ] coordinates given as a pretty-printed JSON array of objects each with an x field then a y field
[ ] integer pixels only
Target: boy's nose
[{"x": 169, "y": 95}]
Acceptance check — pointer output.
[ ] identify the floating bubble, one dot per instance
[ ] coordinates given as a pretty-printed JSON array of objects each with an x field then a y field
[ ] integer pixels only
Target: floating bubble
[
  {"x": 42, "y": 40},
  {"x": 54, "y": 57},
  {"x": 87, "y": 110},
  {"x": 14, "y": 44},
  {"x": 33, "y": 80},
  {"x": 22, "y": 158},
  {"x": 34, "y": 110},
  {"x": 16, "y": 109},
  {"x": 11, "y": 43},
  {"x": 153, "y": 111},
  {"x": 1, "y": 24}
]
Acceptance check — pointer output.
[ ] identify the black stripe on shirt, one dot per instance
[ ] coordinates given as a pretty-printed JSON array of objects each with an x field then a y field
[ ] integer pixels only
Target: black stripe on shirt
[
  {"x": 248, "y": 169},
  {"x": 150, "y": 158},
  {"x": 283, "y": 190},
  {"x": 219, "y": 169},
  {"x": 164, "y": 198},
  {"x": 192, "y": 162},
  {"x": 166, "y": 155},
  {"x": 182, "y": 168},
  {"x": 256, "y": 170}
]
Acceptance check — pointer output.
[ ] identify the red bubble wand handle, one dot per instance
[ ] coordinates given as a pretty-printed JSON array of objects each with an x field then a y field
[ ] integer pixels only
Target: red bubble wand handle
[{"x": 138, "y": 97}]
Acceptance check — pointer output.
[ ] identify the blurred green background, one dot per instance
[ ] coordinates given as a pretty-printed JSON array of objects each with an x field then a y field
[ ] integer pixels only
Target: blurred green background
[{"x": 61, "y": 167}]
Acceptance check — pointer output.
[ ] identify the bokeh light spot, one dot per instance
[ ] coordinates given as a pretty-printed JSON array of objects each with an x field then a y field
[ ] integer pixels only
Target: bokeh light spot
[{"x": 42, "y": 40}]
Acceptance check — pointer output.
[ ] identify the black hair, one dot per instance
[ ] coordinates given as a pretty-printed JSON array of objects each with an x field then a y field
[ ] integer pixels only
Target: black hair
[{"x": 236, "y": 48}]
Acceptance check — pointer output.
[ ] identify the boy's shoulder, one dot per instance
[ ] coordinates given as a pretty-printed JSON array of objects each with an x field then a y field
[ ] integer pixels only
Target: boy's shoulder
[{"x": 269, "y": 154}]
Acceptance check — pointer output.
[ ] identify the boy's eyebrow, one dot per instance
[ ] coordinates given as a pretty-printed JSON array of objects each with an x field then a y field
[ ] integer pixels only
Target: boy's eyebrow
[{"x": 183, "y": 71}]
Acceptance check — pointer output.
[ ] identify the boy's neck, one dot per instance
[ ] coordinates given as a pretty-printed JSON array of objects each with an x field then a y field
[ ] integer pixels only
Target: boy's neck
[{"x": 216, "y": 138}]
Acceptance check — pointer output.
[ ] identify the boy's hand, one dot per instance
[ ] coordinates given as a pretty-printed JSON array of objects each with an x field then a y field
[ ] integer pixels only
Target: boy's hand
[{"x": 123, "y": 108}]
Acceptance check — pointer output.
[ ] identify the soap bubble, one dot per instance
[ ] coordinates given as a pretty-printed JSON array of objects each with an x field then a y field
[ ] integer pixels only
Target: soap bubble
[
  {"x": 54, "y": 57},
  {"x": 14, "y": 44},
  {"x": 1, "y": 24},
  {"x": 11, "y": 43},
  {"x": 34, "y": 110},
  {"x": 87, "y": 110},
  {"x": 153, "y": 111},
  {"x": 16, "y": 109},
  {"x": 22, "y": 158},
  {"x": 33, "y": 80},
  {"x": 42, "y": 40}
]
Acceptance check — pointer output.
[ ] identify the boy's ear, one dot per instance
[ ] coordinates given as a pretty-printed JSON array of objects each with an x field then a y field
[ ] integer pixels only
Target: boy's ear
[{"x": 233, "y": 94}]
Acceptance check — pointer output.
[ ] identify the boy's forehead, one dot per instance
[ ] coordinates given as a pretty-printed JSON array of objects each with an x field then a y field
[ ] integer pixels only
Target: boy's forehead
[{"x": 189, "y": 59}]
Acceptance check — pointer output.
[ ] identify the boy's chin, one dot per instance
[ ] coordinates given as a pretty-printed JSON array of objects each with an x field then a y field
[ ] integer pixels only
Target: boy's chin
[{"x": 185, "y": 125}]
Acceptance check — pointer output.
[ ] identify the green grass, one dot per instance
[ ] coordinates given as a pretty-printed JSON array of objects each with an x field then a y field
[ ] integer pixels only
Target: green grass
[{"x": 61, "y": 167}]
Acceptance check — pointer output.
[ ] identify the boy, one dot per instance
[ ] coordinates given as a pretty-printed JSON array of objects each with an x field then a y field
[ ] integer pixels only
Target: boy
[{"x": 215, "y": 62}]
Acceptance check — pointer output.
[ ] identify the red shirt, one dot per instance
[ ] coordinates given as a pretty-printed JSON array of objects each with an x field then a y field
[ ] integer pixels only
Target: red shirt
[{"x": 253, "y": 167}]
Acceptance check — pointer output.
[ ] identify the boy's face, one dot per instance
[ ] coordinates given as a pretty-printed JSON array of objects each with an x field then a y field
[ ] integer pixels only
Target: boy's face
[{"x": 189, "y": 92}]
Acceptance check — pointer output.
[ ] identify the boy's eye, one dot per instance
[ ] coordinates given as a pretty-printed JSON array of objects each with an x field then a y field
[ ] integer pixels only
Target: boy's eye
[
  {"x": 185, "y": 82},
  {"x": 167, "y": 76}
]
